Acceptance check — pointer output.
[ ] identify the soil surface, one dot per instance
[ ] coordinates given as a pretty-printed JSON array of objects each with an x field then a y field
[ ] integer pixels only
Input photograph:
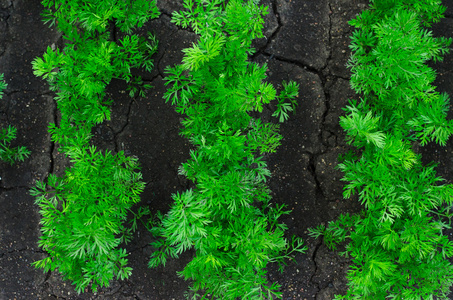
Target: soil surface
[{"x": 306, "y": 41}]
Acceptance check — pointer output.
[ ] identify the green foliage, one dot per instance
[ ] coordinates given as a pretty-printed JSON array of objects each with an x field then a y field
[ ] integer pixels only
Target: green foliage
[
  {"x": 83, "y": 215},
  {"x": 3, "y": 85},
  {"x": 11, "y": 154},
  {"x": 228, "y": 218},
  {"x": 81, "y": 72},
  {"x": 7, "y": 153},
  {"x": 397, "y": 243},
  {"x": 91, "y": 59},
  {"x": 96, "y": 16},
  {"x": 84, "y": 211},
  {"x": 390, "y": 51}
]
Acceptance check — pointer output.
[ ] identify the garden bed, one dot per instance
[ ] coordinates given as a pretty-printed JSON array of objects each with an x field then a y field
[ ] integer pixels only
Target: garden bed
[{"x": 306, "y": 41}]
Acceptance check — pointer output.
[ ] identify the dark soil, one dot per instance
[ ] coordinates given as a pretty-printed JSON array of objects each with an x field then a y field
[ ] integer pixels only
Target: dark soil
[{"x": 306, "y": 41}]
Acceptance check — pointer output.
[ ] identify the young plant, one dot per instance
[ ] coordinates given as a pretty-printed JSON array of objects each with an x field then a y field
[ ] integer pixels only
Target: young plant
[
  {"x": 397, "y": 243},
  {"x": 11, "y": 154},
  {"x": 7, "y": 153},
  {"x": 227, "y": 218},
  {"x": 83, "y": 215}
]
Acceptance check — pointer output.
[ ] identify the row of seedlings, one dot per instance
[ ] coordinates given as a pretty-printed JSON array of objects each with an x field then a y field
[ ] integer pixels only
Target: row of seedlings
[
  {"x": 84, "y": 211},
  {"x": 227, "y": 218},
  {"x": 396, "y": 243}
]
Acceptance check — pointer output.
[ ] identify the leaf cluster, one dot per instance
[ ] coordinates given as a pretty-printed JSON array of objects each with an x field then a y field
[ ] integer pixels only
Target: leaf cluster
[
  {"x": 390, "y": 51},
  {"x": 3, "y": 85},
  {"x": 397, "y": 243},
  {"x": 11, "y": 154},
  {"x": 97, "y": 16},
  {"x": 90, "y": 59},
  {"x": 227, "y": 218},
  {"x": 83, "y": 215}
]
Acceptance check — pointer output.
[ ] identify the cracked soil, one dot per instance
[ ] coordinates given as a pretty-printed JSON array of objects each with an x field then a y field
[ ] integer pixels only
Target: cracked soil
[{"x": 306, "y": 41}]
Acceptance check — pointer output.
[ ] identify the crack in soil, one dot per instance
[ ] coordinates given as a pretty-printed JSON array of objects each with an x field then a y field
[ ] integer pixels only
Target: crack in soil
[
  {"x": 48, "y": 274},
  {"x": 329, "y": 57},
  {"x": 165, "y": 12},
  {"x": 139, "y": 248},
  {"x": 52, "y": 143},
  {"x": 279, "y": 24},
  {"x": 128, "y": 114},
  {"x": 325, "y": 80},
  {"x": 326, "y": 84},
  {"x": 157, "y": 65},
  {"x": 294, "y": 62},
  {"x": 152, "y": 78},
  {"x": 312, "y": 169},
  {"x": 313, "y": 258},
  {"x": 6, "y": 18},
  {"x": 116, "y": 134},
  {"x": 115, "y": 290}
]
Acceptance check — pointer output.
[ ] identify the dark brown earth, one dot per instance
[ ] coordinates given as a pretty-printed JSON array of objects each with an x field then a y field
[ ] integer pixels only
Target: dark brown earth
[{"x": 306, "y": 41}]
